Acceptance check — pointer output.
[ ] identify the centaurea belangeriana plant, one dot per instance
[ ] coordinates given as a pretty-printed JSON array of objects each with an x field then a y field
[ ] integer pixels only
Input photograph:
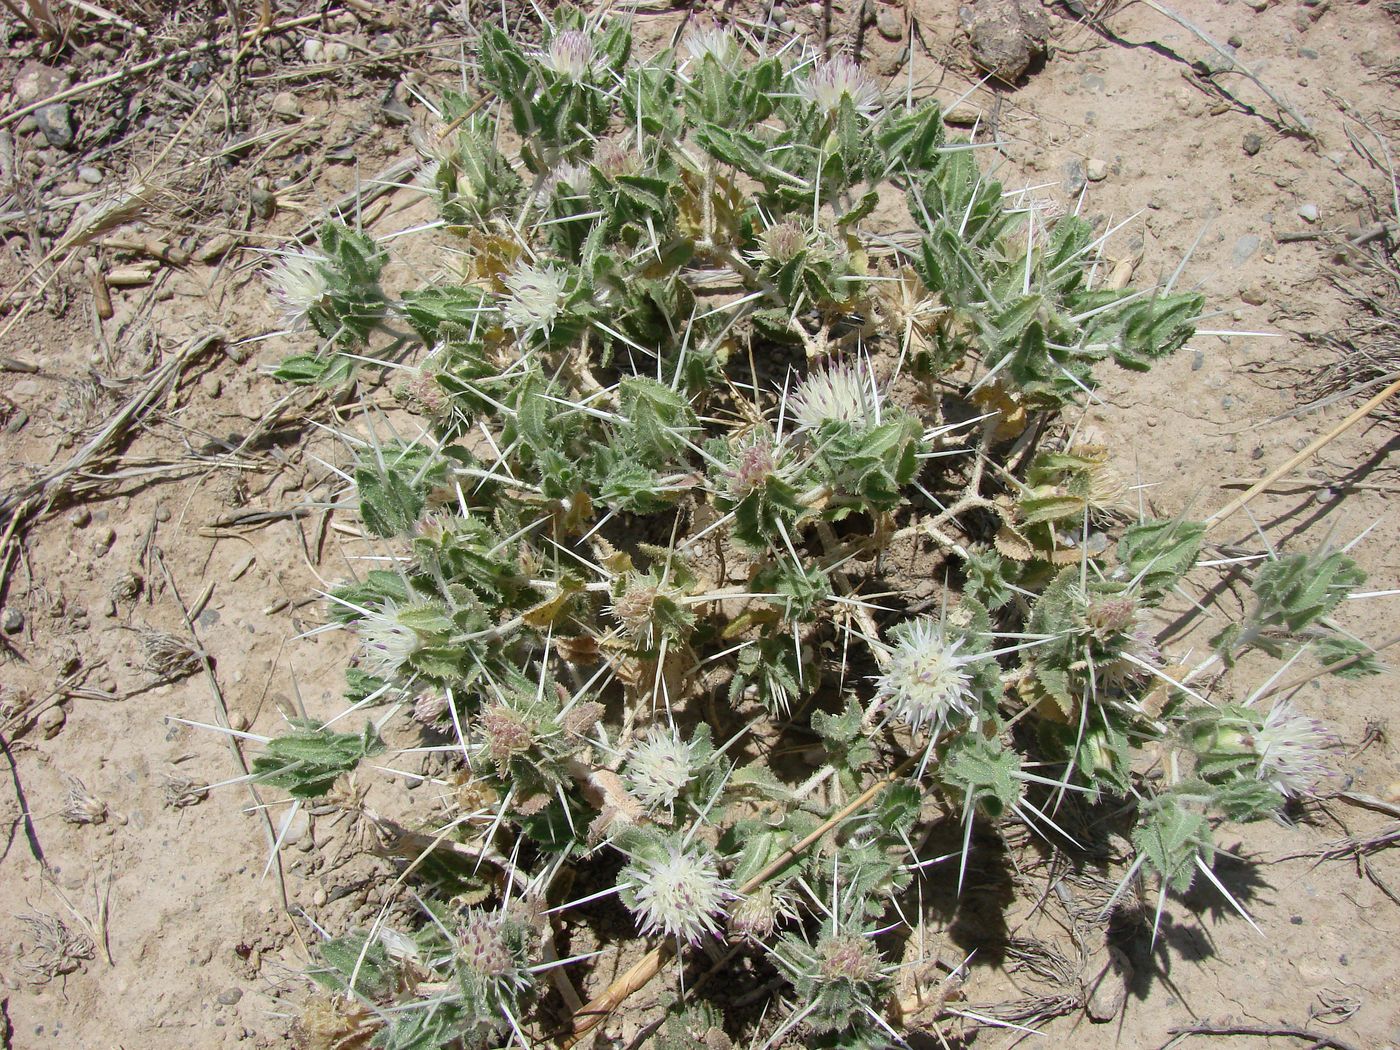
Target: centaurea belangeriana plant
[{"x": 681, "y": 404}]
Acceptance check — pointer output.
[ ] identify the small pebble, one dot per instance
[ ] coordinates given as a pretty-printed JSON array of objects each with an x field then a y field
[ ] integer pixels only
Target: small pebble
[
  {"x": 79, "y": 517},
  {"x": 12, "y": 622},
  {"x": 320, "y": 897},
  {"x": 90, "y": 175},
  {"x": 1235, "y": 40},
  {"x": 56, "y": 123},
  {"x": 230, "y": 996},
  {"x": 51, "y": 722},
  {"x": 1253, "y": 142},
  {"x": 1096, "y": 170},
  {"x": 888, "y": 24},
  {"x": 311, "y": 49},
  {"x": 1254, "y": 296},
  {"x": 162, "y": 513},
  {"x": 1308, "y": 213},
  {"x": 285, "y": 104}
]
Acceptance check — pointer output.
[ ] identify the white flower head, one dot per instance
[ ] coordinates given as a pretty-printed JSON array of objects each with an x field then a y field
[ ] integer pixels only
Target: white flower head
[
  {"x": 425, "y": 178},
  {"x": 297, "y": 280},
  {"x": 386, "y": 643},
  {"x": 840, "y": 393},
  {"x": 714, "y": 42},
  {"x": 836, "y": 78},
  {"x": 569, "y": 180},
  {"x": 1292, "y": 750},
  {"x": 680, "y": 895},
  {"x": 570, "y": 54},
  {"x": 926, "y": 683},
  {"x": 658, "y": 769},
  {"x": 536, "y": 298}
]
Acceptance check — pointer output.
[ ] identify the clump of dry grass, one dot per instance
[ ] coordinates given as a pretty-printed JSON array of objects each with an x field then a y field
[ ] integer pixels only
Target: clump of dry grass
[
  {"x": 182, "y": 792},
  {"x": 168, "y": 657},
  {"x": 1367, "y": 349},
  {"x": 82, "y": 806},
  {"x": 51, "y": 949}
]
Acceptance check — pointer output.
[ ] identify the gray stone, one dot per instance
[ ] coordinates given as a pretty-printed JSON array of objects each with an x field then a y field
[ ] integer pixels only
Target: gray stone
[
  {"x": 230, "y": 996},
  {"x": 56, "y": 123},
  {"x": 1245, "y": 247},
  {"x": 285, "y": 104},
  {"x": 1308, "y": 213},
  {"x": 1097, "y": 170},
  {"x": 1253, "y": 142},
  {"x": 1307, "y": 52},
  {"x": 12, "y": 622},
  {"x": 90, "y": 175},
  {"x": 1074, "y": 177},
  {"x": 1215, "y": 62},
  {"x": 888, "y": 24}
]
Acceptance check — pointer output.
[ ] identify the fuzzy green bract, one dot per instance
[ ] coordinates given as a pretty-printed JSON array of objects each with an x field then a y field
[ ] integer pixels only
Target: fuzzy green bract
[{"x": 735, "y": 544}]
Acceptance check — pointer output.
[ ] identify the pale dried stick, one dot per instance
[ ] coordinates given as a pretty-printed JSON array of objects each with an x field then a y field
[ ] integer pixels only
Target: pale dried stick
[{"x": 1315, "y": 446}]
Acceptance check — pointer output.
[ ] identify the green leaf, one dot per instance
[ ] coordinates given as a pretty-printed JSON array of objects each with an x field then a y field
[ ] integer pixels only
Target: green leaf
[
  {"x": 307, "y": 762},
  {"x": 1336, "y": 648},
  {"x": 429, "y": 308},
  {"x": 1170, "y": 838},
  {"x": 1158, "y": 552},
  {"x": 302, "y": 369}
]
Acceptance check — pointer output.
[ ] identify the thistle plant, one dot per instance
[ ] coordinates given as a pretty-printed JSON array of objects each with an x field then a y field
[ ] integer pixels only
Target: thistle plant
[{"x": 679, "y": 394}]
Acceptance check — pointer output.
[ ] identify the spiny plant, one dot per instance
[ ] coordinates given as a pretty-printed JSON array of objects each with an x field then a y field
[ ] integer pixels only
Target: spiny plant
[{"x": 730, "y": 352}]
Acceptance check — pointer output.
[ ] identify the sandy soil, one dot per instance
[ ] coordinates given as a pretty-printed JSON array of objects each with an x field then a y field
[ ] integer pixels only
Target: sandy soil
[{"x": 215, "y": 502}]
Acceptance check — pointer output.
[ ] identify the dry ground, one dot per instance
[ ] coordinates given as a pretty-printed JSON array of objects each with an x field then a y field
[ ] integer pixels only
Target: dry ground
[{"x": 164, "y": 516}]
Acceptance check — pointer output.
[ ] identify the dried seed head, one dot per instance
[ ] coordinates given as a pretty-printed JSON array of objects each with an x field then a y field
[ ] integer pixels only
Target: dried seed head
[
  {"x": 570, "y": 54},
  {"x": 614, "y": 158},
  {"x": 756, "y": 464},
  {"x": 783, "y": 242},
  {"x": 926, "y": 683},
  {"x": 297, "y": 280},
  {"x": 756, "y": 916},
  {"x": 679, "y": 896},
  {"x": 429, "y": 708},
  {"x": 658, "y": 769},
  {"x": 831, "y": 80},
  {"x": 849, "y": 957},
  {"x": 1109, "y": 617},
  {"x": 536, "y": 298},
  {"x": 1292, "y": 750},
  {"x": 835, "y": 394},
  {"x": 507, "y": 734},
  {"x": 482, "y": 949}
]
